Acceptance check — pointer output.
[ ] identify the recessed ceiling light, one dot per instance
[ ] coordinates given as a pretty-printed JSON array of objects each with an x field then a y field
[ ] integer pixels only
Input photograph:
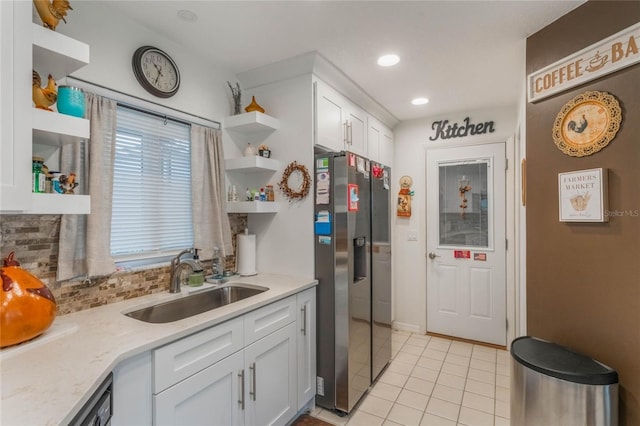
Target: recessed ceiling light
[
  {"x": 388, "y": 60},
  {"x": 420, "y": 101},
  {"x": 187, "y": 15}
]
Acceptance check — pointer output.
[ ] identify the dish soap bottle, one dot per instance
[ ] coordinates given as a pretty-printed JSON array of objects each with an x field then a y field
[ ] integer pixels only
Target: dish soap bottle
[{"x": 196, "y": 279}]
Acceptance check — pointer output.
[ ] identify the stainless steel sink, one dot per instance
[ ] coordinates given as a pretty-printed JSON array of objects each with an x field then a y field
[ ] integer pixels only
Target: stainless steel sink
[{"x": 195, "y": 304}]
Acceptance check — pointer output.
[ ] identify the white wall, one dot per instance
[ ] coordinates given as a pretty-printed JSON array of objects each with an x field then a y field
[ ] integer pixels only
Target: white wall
[
  {"x": 113, "y": 39},
  {"x": 409, "y": 263}
]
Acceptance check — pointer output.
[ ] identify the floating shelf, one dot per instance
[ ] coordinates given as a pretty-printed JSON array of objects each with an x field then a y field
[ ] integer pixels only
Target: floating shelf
[
  {"x": 52, "y": 128},
  {"x": 252, "y": 207},
  {"x": 57, "y": 54},
  {"x": 251, "y": 122},
  {"x": 60, "y": 204},
  {"x": 251, "y": 164}
]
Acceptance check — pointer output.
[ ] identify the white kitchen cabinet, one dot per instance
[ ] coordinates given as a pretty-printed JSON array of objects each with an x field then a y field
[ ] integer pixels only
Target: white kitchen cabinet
[
  {"x": 242, "y": 371},
  {"x": 25, "y": 130},
  {"x": 306, "y": 306},
  {"x": 270, "y": 370},
  {"x": 250, "y": 172},
  {"x": 211, "y": 396},
  {"x": 340, "y": 125},
  {"x": 132, "y": 396},
  {"x": 380, "y": 142}
]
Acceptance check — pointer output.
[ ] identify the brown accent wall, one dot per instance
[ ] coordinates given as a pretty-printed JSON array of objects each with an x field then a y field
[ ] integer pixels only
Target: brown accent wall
[{"x": 583, "y": 279}]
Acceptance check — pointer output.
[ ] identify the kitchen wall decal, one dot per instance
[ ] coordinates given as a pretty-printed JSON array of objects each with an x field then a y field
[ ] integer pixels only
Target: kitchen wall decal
[
  {"x": 604, "y": 57},
  {"x": 300, "y": 172},
  {"x": 583, "y": 195},
  {"x": 444, "y": 130},
  {"x": 404, "y": 197},
  {"x": 587, "y": 123}
]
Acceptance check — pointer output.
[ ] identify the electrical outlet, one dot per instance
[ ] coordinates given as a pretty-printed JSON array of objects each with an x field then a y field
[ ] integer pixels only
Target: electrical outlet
[{"x": 412, "y": 235}]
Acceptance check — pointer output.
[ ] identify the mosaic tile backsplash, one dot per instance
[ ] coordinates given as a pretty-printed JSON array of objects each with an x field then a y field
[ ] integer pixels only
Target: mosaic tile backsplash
[{"x": 34, "y": 238}]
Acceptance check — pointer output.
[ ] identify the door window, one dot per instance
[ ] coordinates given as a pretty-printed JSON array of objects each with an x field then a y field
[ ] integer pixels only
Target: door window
[{"x": 464, "y": 213}]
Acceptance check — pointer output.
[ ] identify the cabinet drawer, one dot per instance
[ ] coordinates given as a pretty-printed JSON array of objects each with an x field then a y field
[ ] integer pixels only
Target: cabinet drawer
[
  {"x": 181, "y": 359},
  {"x": 268, "y": 319}
]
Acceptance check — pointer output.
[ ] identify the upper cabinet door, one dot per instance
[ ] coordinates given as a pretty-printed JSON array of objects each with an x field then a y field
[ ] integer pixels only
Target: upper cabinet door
[
  {"x": 356, "y": 130},
  {"x": 330, "y": 118}
]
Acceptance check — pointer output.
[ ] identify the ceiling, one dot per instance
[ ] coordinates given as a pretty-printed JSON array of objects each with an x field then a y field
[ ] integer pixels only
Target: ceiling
[{"x": 462, "y": 55}]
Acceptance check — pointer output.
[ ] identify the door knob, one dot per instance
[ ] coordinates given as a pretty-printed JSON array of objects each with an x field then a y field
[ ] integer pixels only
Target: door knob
[{"x": 432, "y": 255}]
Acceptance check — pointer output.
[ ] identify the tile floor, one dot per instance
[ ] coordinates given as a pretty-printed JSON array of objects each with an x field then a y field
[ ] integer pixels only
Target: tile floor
[{"x": 435, "y": 381}]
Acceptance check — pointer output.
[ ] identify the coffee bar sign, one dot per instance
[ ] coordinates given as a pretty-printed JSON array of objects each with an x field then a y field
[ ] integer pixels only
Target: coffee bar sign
[{"x": 609, "y": 55}]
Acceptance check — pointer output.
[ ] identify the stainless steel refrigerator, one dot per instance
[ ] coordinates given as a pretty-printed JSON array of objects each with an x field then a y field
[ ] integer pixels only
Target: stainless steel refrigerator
[{"x": 345, "y": 233}]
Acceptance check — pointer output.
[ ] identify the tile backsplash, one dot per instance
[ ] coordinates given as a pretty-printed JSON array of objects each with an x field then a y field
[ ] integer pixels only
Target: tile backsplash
[{"x": 34, "y": 238}]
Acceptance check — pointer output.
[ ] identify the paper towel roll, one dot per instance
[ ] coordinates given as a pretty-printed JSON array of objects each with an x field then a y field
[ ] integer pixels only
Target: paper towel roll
[{"x": 247, "y": 255}]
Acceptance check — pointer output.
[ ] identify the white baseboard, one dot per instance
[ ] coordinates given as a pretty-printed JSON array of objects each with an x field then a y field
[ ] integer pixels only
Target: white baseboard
[{"x": 407, "y": 327}]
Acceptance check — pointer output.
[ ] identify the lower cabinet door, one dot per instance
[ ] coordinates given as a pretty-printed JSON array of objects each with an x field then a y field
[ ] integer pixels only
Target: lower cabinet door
[
  {"x": 306, "y": 346},
  {"x": 270, "y": 370},
  {"x": 211, "y": 397}
]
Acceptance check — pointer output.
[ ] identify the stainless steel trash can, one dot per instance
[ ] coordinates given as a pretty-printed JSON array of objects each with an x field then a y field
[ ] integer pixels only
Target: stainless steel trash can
[{"x": 552, "y": 385}]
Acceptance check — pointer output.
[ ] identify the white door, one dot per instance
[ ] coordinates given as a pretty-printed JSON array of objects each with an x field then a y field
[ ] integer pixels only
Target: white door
[{"x": 466, "y": 245}]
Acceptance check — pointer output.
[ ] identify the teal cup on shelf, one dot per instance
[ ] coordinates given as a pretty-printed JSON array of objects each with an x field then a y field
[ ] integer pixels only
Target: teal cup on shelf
[{"x": 71, "y": 101}]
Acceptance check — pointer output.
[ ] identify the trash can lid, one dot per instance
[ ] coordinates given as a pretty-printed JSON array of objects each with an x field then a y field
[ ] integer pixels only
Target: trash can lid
[{"x": 560, "y": 362}]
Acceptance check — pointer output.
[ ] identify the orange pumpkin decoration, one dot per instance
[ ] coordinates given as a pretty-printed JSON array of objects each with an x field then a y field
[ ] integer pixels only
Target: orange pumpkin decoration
[{"x": 27, "y": 307}]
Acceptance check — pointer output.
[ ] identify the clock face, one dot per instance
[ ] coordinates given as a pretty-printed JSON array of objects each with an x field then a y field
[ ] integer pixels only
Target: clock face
[{"x": 156, "y": 71}]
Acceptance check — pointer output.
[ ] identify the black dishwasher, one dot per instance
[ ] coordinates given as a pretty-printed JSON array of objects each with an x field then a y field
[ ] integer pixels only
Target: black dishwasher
[{"x": 99, "y": 408}]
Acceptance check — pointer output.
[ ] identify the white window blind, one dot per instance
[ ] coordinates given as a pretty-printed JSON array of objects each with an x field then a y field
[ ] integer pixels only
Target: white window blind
[{"x": 151, "y": 213}]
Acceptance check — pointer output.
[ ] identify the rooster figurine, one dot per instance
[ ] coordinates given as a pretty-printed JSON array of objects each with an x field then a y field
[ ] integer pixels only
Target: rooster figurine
[
  {"x": 52, "y": 12},
  {"x": 44, "y": 97}
]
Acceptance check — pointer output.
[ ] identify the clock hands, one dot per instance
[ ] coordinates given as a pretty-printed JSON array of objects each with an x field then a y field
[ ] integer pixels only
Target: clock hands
[{"x": 159, "y": 68}]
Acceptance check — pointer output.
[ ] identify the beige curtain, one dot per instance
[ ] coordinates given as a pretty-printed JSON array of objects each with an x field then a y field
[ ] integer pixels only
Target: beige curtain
[
  {"x": 84, "y": 249},
  {"x": 210, "y": 221}
]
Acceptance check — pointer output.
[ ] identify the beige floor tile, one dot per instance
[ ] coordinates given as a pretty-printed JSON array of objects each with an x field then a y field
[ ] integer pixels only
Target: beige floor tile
[
  {"x": 412, "y": 349},
  {"x": 504, "y": 370},
  {"x": 447, "y": 393},
  {"x": 433, "y": 364},
  {"x": 424, "y": 373},
  {"x": 385, "y": 391},
  {"x": 500, "y": 421},
  {"x": 503, "y": 357},
  {"x": 503, "y": 381},
  {"x": 439, "y": 344},
  {"x": 404, "y": 415},
  {"x": 503, "y": 409},
  {"x": 393, "y": 378},
  {"x": 485, "y": 354},
  {"x": 457, "y": 359},
  {"x": 451, "y": 380},
  {"x": 332, "y": 418},
  {"x": 400, "y": 367},
  {"x": 478, "y": 402},
  {"x": 388, "y": 422},
  {"x": 445, "y": 409},
  {"x": 431, "y": 420},
  {"x": 413, "y": 399},
  {"x": 503, "y": 394},
  {"x": 374, "y": 405},
  {"x": 434, "y": 354},
  {"x": 406, "y": 358},
  {"x": 361, "y": 418},
  {"x": 482, "y": 376},
  {"x": 456, "y": 370},
  {"x": 479, "y": 364},
  {"x": 418, "y": 341},
  {"x": 471, "y": 417},
  {"x": 461, "y": 348},
  {"x": 424, "y": 387},
  {"x": 480, "y": 388}
]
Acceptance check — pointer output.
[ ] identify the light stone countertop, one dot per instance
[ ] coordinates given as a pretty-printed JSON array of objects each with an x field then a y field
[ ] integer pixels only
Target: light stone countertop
[{"x": 47, "y": 380}]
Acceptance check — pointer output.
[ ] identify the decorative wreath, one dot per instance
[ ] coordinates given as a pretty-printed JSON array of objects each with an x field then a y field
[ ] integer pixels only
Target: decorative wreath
[{"x": 301, "y": 192}]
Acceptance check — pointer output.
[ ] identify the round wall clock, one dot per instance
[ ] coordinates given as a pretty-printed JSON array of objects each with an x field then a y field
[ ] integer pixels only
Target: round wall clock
[
  {"x": 587, "y": 123},
  {"x": 156, "y": 71}
]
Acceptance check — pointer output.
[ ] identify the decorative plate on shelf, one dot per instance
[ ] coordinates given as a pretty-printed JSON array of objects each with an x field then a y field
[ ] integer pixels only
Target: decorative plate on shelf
[{"x": 587, "y": 123}]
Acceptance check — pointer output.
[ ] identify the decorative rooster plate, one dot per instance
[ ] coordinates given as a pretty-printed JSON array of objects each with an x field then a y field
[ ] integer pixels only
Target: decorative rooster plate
[{"x": 587, "y": 123}]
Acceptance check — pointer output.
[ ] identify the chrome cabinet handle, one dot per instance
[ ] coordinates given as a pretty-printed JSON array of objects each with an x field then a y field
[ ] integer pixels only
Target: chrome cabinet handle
[
  {"x": 252, "y": 388},
  {"x": 350, "y": 127},
  {"x": 346, "y": 132},
  {"x": 241, "y": 398},
  {"x": 432, "y": 255},
  {"x": 304, "y": 320}
]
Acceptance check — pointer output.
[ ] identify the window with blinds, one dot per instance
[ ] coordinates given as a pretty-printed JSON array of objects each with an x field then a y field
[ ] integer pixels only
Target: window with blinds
[{"x": 151, "y": 212}]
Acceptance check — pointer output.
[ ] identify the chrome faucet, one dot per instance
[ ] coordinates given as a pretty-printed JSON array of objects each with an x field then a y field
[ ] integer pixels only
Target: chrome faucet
[{"x": 176, "y": 265}]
